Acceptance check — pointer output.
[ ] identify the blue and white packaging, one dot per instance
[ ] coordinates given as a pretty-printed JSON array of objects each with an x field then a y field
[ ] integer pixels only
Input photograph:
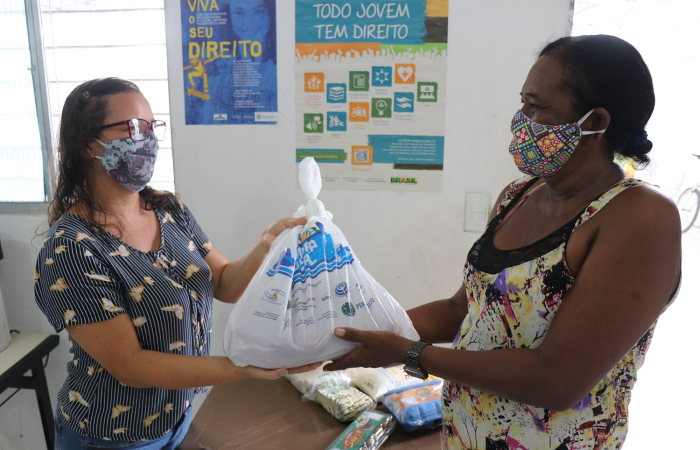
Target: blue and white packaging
[{"x": 310, "y": 283}]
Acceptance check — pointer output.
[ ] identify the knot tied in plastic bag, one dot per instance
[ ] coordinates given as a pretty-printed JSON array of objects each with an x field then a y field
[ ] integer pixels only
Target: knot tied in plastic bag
[
  {"x": 310, "y": 181},
  {"x": 310, "y": 283}
]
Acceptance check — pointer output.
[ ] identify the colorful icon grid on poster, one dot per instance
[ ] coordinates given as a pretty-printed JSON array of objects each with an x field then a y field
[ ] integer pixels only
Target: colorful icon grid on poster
[
  {"x": 314, "y": 82},
  {"x": 405, "y": 74},
  {"x": 337, "y": 93},
  {"x": 313, "y": 123},
  {"x": 427, "y": 92},
  {"x": 381, "y": 108},
  {"x": 359, "y": 81},
  {"x": 381, "y": 76},
  {"x": 404, "y": 102},
  {"x": 337, "y": 121},
  {"x": 359, "y": 112}
]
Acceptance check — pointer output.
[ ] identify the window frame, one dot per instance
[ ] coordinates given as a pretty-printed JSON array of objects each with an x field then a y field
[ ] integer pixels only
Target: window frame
[
  {"x": 32, "y": 10},
  {"x": 42, "y": 84}
]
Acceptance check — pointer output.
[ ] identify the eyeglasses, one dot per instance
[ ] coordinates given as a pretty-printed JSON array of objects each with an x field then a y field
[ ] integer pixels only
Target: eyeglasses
[{"x": 138, "y": 128}]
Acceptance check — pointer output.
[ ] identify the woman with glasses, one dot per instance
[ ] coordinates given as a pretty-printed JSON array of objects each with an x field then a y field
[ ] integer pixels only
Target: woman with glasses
[{"x": 131, "y": 276}]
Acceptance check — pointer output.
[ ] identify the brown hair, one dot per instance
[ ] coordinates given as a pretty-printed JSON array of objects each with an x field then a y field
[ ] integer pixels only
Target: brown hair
[{"x": 83, "y": 114}]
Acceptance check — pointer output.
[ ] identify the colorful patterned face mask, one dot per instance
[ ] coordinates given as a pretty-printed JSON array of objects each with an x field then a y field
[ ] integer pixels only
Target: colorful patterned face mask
[
  {"x": 542, "y": 150},
  {"x": 130, "y": 163}
]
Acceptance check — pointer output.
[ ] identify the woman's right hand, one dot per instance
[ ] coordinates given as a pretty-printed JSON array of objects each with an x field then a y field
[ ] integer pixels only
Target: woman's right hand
[{"x": 252, "y": 372}]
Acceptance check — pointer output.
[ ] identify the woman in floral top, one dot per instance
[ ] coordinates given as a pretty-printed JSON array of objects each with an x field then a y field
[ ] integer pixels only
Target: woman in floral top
[
  {"x": 128, "y": 272},
  {"x": 561, "y": 294}
]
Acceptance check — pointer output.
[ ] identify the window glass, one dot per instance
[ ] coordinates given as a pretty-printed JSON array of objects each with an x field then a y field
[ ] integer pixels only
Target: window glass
[
  {"x": 83, "y": 39},
  {"x": 21, "y": 158}
]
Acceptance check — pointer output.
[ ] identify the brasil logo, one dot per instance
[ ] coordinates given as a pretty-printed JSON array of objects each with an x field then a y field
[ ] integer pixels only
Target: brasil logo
[{"x": 348, "y": 309}]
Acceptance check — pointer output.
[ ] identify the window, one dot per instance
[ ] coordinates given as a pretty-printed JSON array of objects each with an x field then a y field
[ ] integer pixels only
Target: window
[
  {"x": 21, "y": 156},
  {"x": 82, "y": 39}
]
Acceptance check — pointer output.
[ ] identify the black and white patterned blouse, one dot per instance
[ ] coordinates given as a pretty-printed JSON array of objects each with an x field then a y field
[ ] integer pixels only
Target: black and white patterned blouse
[{"x": 82, "y": 278}]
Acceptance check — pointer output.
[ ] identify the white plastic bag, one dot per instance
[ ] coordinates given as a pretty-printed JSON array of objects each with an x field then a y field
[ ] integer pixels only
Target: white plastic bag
[{"x": 310, "y": 283}]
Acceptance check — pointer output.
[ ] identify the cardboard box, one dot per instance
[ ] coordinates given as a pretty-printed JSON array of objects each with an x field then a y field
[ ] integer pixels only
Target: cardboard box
[{"x": 265, "y": 415}]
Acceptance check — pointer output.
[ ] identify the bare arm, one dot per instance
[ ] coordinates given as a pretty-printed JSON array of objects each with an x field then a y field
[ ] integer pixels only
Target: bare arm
[
  {"x": 232, "y": 278},
  {"x": 114, "y": 344},
  {"x": 630, "y": 270},
  {"x": 439, "y": 321}
]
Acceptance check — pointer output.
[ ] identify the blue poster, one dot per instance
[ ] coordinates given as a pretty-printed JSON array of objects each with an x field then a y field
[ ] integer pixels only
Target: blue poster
[{"x": 230, "y": 51}]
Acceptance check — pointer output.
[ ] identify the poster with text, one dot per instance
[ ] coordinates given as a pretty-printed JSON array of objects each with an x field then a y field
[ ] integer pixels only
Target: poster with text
[
  {"x": 370, "y": 92},
  {"x": 229, "y": 48}
]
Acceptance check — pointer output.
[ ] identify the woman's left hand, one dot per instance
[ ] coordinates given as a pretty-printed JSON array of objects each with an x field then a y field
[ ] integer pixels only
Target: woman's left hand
[
  {"x": 377, "y": 349},
  {"x": 270, "y": 234}
]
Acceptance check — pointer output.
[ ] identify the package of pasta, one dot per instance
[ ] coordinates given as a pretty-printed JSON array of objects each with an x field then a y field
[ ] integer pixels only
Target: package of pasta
[
  {"x": 310, "y": 283},
  {"x": 308, "y": 383},
  {"x": 344, "y": 403},
  {"x": 416, "y": 407}
]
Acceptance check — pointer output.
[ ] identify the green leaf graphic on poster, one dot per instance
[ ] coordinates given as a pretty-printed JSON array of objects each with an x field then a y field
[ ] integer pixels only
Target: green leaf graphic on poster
[{"x": 381, "y": 108}]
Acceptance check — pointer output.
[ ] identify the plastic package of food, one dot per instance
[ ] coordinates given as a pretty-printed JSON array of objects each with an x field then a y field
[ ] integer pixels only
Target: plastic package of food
[
  {"x": 380, "y": 381},
  {"x": 309, "y": 382},
  {"x": 344, "y": 403},
  {"x": 310, "y": 283},
  {"x": 416, "y": 407},
  {"x": 368, "y": 432}
]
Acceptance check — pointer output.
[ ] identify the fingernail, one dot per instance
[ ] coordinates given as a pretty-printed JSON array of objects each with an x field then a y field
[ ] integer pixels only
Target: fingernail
[
  {"x": 339, "y": 332},
  {"x": 282, "y": 372}
]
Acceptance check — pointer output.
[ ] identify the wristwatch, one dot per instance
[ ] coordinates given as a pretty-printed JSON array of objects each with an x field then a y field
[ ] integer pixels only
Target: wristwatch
[{"x": 412, "y": 367}]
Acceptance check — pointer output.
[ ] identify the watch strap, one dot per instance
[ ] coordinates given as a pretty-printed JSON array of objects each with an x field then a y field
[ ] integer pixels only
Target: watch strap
[{"x": 413, "y": 355}]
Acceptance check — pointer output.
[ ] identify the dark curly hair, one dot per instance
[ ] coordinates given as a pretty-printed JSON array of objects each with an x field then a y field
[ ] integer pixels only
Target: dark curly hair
[
  {"x": 608, "y": 72},
  {"x": 83, "y": 114}
]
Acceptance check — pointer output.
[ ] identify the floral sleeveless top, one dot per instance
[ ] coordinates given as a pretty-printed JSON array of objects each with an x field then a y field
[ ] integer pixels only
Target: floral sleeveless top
[{"x": 513, "y": 297}]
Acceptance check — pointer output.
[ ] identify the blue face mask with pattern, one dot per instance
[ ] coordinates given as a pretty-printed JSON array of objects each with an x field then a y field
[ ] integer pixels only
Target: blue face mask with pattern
[{"x": 130, "y": 163}]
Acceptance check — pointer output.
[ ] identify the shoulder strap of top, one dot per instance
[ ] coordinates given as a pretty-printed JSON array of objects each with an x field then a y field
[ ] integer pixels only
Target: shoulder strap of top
[
  {"x": 513, "y": 191},
  {"x": 599, "y": 203}
]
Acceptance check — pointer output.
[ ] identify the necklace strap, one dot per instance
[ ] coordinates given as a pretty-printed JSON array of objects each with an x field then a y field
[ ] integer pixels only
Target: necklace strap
[
  {"x": 532, "y": 191},
  {"x": 519, "y": 204}
]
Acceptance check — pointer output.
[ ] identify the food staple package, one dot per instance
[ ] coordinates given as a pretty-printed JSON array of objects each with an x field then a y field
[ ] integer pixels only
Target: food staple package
[
  {"x": 416, "y": 407},
  {"x": 310, "y": 283},
  {"x": 380, "y": 381},
  {"x": 368, "y": 432},
  {"x": 308, "y": 383},
  {"x": 344, "y": 403}
]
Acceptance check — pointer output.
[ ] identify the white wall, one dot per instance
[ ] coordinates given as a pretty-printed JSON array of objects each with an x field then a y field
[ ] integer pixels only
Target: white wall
[
  {"x": 239, "y": 179},
  {"x": 20, "y": 423}
]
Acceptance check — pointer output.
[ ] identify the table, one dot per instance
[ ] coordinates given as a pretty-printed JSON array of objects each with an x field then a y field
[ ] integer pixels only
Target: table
[
  {"x": 24, "y": 354},
  {"x": 266, "y": 415}
]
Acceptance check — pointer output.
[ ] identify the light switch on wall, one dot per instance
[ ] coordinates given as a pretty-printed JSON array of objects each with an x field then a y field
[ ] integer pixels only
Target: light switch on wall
[{"x": 476, "y": 211}]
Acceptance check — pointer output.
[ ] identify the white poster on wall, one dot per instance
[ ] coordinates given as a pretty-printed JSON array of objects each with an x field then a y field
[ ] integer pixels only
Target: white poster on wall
[{"x": 370, "y": 92}]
